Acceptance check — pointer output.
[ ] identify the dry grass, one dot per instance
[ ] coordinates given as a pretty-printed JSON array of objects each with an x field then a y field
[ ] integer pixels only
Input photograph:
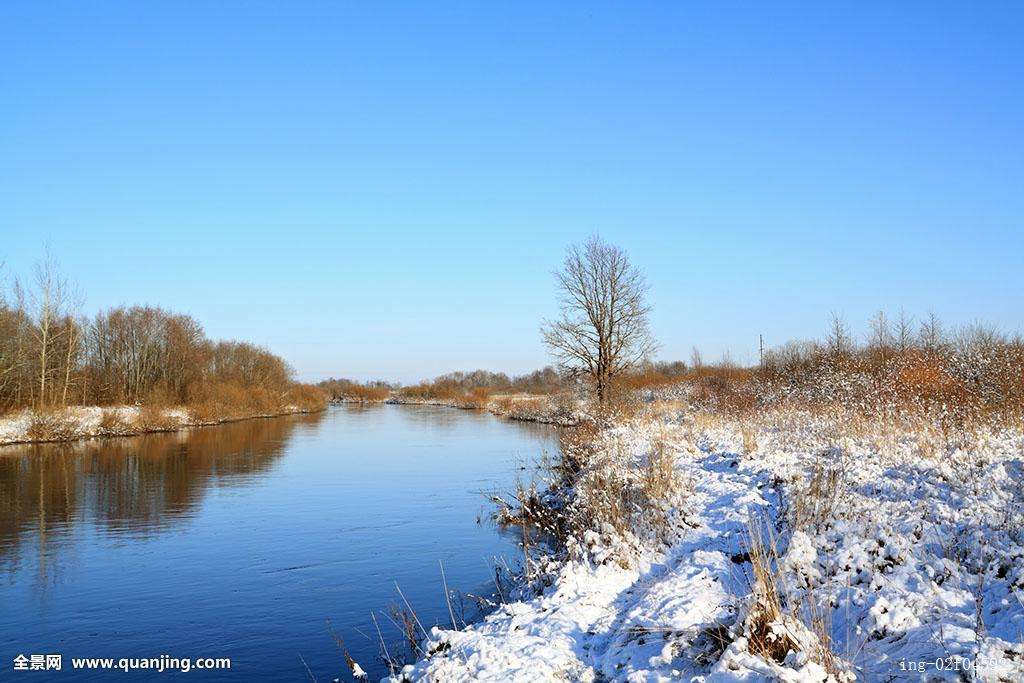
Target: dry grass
[
  {"x": 748, "y": 432},
  {"x": 405, "y": 620},
  {"x": 113, "y": 423},
  {"x": 622, "y": 404},
  {"x": 305, "y": 397},
  {"x": 447, "y": 393},
  {"x": 764, "y": 637},
  {"x": 51, "y": 425},
  {"x": 527, "y": 407},
  {"x": 773, "y": 628},
  {"x": 155, "y": 418},
  {"x": 614, "y": 490},
  {"x": 503, "y": 404},
  {"x": 346, "y": 390},
  {"x": 226, "y": 401},
  {"x": 816, "y": 501},
  {"x": 477, "y": 398},
  {"x": 659, "y": 480}
]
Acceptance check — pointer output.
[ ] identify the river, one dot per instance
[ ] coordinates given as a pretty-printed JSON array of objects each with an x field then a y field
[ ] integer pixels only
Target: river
[{"x": 258, "y": 541}]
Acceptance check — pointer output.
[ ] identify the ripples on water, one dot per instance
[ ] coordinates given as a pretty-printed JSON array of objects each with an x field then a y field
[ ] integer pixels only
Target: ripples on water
[{"x": 243, "y": 540}]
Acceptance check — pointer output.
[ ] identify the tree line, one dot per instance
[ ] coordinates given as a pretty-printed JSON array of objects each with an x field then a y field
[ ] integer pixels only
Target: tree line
[{"x": 53, "y": 356}]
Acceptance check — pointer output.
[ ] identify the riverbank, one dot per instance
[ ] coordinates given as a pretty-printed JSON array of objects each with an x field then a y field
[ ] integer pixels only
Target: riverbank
[
  {"x": 781, "y": 545},
  {"x": 85, "y": 422},
  {"x": 546, "y": 409}
]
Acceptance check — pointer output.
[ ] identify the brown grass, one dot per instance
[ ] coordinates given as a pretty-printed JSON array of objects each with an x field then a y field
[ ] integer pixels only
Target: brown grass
[
  {"x": 748, "y": 432},
  {"x": 816, "y": 501},
  {"x": 369, "y": 394},
  {"x": 51, "y": 425},
  {"x": 503, "y": 404},
  {"x": 347, "y": 390},
  {"x": 113, "y": 423},
  {"x": 772, "y": 630},
  {"x": 610, "y": 488},
  {"x": 154, "y": 418},
  {"x": 225, "y": 401},
  {"x": 306, "y": 397},
  {"x": 527, "y": 407},
  {"x": 763, "y": 638}
]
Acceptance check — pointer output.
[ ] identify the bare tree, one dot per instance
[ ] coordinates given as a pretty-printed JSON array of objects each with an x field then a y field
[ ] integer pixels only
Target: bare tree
[
  {"x": 931, "y": 334},
  {"x": 74, "y": 331},
  {"x": 880, "y": 340},
  {"x": 11, "y": 336},
  {"x": 696, "y": 359},
  {"x": 603, "y": 329},
  {"x": 48, "y": 299},
  {"x": 904, "y": 334},
  {"x": 839, "y": 341}
]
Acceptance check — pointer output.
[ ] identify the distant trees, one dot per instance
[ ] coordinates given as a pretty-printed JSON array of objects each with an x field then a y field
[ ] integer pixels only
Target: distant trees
[
  {"x": 459, "y": 387},
  {"x": 50, "y": 356},
  {"x": 342, "y": 389},
  {"x": 602, "y": 330},
  {"x": 670, "y": 369}
]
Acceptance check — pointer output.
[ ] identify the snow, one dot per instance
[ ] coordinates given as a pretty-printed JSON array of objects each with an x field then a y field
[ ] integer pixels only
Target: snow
[
  {"x": 77, "y": 422},
  {"x": 522, "y": 407},
  {"x": 902, "y": 558}
]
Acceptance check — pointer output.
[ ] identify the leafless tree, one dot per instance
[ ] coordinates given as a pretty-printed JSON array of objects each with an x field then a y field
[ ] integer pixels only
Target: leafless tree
[
  {"x": 11, "y": 336},
  {"x": 49, "y": 298},
  {"x": 839, "y": 341},
  {"x": 931, "y": 334},
  {"x": 881, "y": 333},
  {"x": 603, "y": 328},
  {"x": 904, "y": 334},
  {"x": 880, "y": 340}
]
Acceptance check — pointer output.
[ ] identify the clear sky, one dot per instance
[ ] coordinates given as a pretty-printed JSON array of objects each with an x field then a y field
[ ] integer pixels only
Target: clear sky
[{"x": 383, "y": 189}]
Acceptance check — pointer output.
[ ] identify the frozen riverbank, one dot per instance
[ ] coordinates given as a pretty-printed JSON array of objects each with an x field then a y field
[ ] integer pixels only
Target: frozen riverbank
[
  {"x": 82, "y": 422},
  {"x": 880, "y": 551},
  {"x": 524, "y": 407}
]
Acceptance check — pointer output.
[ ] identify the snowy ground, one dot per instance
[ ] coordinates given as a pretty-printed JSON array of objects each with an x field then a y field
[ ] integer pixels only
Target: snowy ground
[
  {"x": 79, "y": 422},
  {"x": 904, "y": 550},
  {"x": 523, "y": 407}
]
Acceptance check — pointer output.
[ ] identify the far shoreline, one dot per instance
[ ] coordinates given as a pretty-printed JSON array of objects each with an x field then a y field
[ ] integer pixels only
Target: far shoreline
[{"x": 539, "y": 408}]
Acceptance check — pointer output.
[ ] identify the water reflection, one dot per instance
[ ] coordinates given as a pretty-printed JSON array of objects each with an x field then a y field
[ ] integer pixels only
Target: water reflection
[
  {"x": 136, "y": 486},
  {"x": 243, "y": 540}
]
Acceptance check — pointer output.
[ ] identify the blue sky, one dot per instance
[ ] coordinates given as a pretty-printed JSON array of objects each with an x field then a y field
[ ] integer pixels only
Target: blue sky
[{"x": 383, "y": 189}]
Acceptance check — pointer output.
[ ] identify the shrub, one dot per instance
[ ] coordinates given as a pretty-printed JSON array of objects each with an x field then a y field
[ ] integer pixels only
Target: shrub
[
  {"x": 306, "y": 397},
  {"x": 350, "y": 390},
  {"x": 604, "y": 498},
  {"x": 477, "y": 397},
  {"x": 155, "y": 418},
  {"x": 114, "y": 423},
  {"x": 51, "y": 425},
  {"x": 775, "y": 626}
]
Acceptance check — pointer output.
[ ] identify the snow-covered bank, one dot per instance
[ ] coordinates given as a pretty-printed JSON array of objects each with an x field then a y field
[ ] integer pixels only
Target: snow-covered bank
[
  {"x": 82, "y": 422},
  {"x": 523, "y": 407},
  {"x": 892, "y": 552}
]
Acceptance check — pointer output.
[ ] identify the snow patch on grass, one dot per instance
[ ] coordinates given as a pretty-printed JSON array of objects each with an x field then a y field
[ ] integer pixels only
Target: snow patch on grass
[
  {"x": 80, "y": 422},
  {"x": 887, "y": 547}
]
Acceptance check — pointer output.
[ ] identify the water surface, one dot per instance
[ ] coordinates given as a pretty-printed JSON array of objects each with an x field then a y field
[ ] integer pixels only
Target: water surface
[{"x": 256, "y": 540}]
